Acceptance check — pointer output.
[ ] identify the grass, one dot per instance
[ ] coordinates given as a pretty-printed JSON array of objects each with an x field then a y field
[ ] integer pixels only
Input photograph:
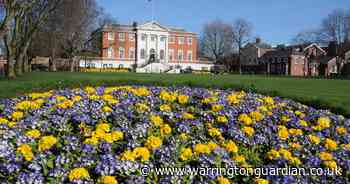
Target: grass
[{"x": 319, "y": 93}]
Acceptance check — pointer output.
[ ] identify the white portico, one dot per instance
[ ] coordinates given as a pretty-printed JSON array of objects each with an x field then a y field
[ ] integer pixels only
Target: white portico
[{"x": 152, "y": 43}]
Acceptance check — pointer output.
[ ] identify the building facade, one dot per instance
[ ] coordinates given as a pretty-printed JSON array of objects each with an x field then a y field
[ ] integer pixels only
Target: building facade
[
  {"x": 296, "y": 60},
  {"x": 149, "y": 47}
]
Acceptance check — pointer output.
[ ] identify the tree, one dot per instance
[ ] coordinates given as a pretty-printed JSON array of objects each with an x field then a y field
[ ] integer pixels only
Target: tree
[
  {"x": 216, "y": 40},
  {"x": 242, "y": 30},
  {"x": 307, "y": 37},
  {"x": 336, "y": 28},
  {"x": 25, "y": 17}
]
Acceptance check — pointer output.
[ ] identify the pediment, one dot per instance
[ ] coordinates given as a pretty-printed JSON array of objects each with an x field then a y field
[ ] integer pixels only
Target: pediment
[{"x": 154, "y": 26}]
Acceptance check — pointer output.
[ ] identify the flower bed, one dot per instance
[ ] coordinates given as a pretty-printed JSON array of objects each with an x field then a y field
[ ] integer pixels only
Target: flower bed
[{"x": 108, "y": 135}]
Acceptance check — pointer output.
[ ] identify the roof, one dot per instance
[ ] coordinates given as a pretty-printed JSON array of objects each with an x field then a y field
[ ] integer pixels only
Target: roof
[
  {"x": 260, "y": 45},
  {"x": 326, "y": 59},
  {"x": 282, "y": 53}
]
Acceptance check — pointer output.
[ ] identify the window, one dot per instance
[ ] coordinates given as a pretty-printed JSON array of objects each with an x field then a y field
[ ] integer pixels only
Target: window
[
  {"x": 162, "y": 39},
  {"x": 189, "y": 40},
  {"x": 171, "y": 54},
  {"x": 104, "y": 66},
  {"x": 121, "y": 52},
  {"x": 161, "y": 55},
  {"x": 121, "y": 66},
  {"x": 172, "y": 39},
  {"x": 153, "y": 38},
  {"x": 110, "y": 52},
  {"x": 121, "y": 36},
  {"x": 110, "y": 36},
  {"x": 143, "y": 54},
  {"x": 132, "y": 53},
  {"x": 131, "y": 37},
  {"x": 189, "y": 55},
  {"x": 181, "y": 40},
  {"x": 110, "y": 65},
  {"x": 180, "y": 55},
  {"x": 143, "y": 37}
]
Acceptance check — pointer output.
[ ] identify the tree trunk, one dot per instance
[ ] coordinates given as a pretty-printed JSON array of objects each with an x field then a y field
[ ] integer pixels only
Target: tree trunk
[
  {"x": 10, "y": 70},
  {"x": 19, "y": 65},
  {"x": 26, "y": 64},
  {"x": 52, "y": 62},
  {"x": 72, "y": 63}
]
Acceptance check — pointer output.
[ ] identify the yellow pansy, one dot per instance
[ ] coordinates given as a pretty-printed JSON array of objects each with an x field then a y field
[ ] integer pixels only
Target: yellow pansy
[
  {"x": 33, "y": 133},
  {"x": 257, "y": 116},
  {"x": 222, "y": 119},
  {"x": 245, "y": 119},
  {"x": 107, "y": 180},
  {"x": 26, "y": 151},
  {"x": 153, "y": 142},
  {"x": 165, "y": 129},
  {"x": 165, "y": 107},
  {"x": 216, "y": 107},
  {"x": 201, "y": 149},
  {"x": 17, "y": 115},
  {"x": 47, "y": 142},
  {"x": 156, "y": 120},
  {"x": 341, "y": 130},
  {"x": 326, "y": 156},
  {"x": 248, "y": 130},
  {"x": 223, "y": 180},
  {"x": 273, "y": 154},
  {"x": 183, "y": 99},
  {"x": 231, "y": 147},
  {"x": 78, "y": 173},
  {"x": 261, "y": 181},
  {"x": 330, "y": 144},
  {"x": 142, "y": 152},
  {"x": 283, "y": 132},
  {"x": 331, "y": 164},
  {"x": 186, "y": 154}
]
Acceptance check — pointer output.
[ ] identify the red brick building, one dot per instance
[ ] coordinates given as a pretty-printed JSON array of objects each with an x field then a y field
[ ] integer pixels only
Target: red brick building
[{"x": 149, "y": 47}]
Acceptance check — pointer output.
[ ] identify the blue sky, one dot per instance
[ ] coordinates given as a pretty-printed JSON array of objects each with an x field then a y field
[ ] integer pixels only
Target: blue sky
[{"x": 275, "y": 21}]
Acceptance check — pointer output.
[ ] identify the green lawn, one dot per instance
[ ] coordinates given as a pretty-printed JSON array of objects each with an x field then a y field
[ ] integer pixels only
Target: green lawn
[{"x": 332, "y": 94}]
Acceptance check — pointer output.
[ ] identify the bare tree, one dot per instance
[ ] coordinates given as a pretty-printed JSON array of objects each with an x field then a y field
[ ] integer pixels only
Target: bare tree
[
  {"x": 307, "y": 37},
  {"x": 336, "y": 28},
  {"x": 216, "y": 40},
  {"x": 242, "y": 30},
  {"x": 25, "y": 19}
]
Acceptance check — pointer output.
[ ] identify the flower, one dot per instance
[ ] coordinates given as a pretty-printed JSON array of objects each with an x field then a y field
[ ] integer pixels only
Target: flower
[
  {"x": 325, "y": 156},
  {"x": 165, "y": 129},
  {"x": 26, "y": 151},
  {"x": 245, "y": 119},
  {"x": 153, "y": 142},
  {"x": 165, "y": 107},
  {"x": 187, "y": 115},
  {"x": 142, "y": 152},
  {"x": 314, "y": 139},
  {"x": 273, "y": 154},
  {"x": 341, "y": 130},
  {"x": 78, "y": 173},
  {"x": 107, "y": 180},
  {"x": 331, "y": 164},
  {"x": 156, "y": 120},
  {"x": 47, "y": 142},
  {"x": 183, "y": 99},
  {"x": 216, "y": 107},
  {"x": 322, "y": 123},
  {"x": 103, "y": 127},
  {"x": 17, "y": 115},
  {"x": 239, "y": 159},
  {"x": 186, "y": 154},
  {"x": 261, "y": 181},
  {"x": 248, "y": 130},
  {"x": 222, "y": 180},
  {"x": 117, "y": 135},
  {"x": 214, "y": 132},
  {"x": 201, "y": 149},
  {"x": 231, "y": 146},
  {"x": 33, "y": 133},
  {"x": 283, "y": 132},
  {"x": 222, "y": 119},
  {"x": 256, "y": 115},
  {"x": 330, "y": 144}
]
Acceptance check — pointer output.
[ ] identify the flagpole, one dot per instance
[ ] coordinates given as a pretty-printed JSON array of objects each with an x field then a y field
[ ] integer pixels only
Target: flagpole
[{"x": 152, "y": 10}]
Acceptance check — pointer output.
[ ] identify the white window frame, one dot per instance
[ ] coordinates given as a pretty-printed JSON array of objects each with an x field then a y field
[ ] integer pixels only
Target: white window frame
[
  {"x": 110, "y": 52},
  {"x": 181, "y": 40},
  {"x": 171, "y": 54},
  {"x": 132, "y": 37},
  {"x": 153, "y": 38},
  {"x": 143, "y": 54},
  {"x": 110, "y": 36},
  {"x": 190, "y": 40},
  {"x": 143, "y": 37},
  {"x": 190, "y": 56},
  {"x": 180, "y": 53},
  {"x": 121, "y": 52},
  {"x": 132, "y": 53},
  {"x": 121, "y": 36},
  {"x": 172, "y": 39},
  {"x": 162, "y": 56}
]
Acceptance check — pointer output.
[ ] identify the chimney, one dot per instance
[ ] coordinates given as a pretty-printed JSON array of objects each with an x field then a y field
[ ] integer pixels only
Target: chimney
[{"x": 258, "y": 40}]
